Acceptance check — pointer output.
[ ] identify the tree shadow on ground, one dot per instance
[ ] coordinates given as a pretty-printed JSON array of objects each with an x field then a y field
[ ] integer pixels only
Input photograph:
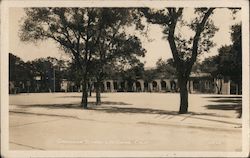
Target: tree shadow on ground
[
  {"x": 74, "y": 96},
  {"x": 226, "y": 103},
  {"x": 224, "y": 106},
  {"x": 236, "y": 101},
  {"x": 71, "y": 105},
  {"x": 52, "y": 106},
  {"x": 108, "y": 108},
  {"x": 224, "y": 97},
  {"x": 112, "y": 109},
  {"x": 110, "y": 103}
]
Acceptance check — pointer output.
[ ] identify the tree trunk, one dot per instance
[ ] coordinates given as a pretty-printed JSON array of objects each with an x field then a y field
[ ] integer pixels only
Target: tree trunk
[
  {"x": 183, "y": 95},
  {"x": 84, "y": 102},
  {"x": 220, "y": 87},
  {"x": 90, "y": 89},
  {"x": 98, "y": 92},
  {"x": 189, "y": 87}
]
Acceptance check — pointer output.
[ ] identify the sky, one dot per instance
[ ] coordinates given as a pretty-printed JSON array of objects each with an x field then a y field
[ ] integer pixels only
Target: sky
[{"x": 156, "y": 49}]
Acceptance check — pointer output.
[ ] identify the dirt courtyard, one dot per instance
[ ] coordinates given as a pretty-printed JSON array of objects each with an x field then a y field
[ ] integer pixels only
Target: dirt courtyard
[{"x": 125, "y": 121}]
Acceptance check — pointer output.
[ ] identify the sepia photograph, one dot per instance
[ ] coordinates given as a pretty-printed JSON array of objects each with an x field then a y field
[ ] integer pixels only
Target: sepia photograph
[{"x": 124, "y": 79}]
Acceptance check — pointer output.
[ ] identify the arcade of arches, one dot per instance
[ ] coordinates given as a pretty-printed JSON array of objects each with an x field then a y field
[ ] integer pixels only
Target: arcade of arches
[
  {"x": 140, "y": 86},
  {"x": 195, "y": 85}
]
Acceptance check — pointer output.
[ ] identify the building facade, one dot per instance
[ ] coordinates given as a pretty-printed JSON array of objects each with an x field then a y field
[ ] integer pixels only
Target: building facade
[{"x": 198, "y": 83}]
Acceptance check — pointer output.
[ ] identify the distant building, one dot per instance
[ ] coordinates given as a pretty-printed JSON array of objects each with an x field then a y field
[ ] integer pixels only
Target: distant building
[{"x": 198, "y": 83}]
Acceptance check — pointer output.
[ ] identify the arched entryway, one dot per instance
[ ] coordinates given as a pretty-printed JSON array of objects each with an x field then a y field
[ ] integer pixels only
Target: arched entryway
[
  {"x": 154, "y": 84},
  {"x": 108, "y": 86},
  {"x": 130, "y": 86},
  {"x": 146, "y": 86},
  {"x": 115, "y": 86},
  {"x": 138, "y": 86},
  {"x": 163, "y": 85},
  {"x": 173, "y": 86},
  {"x": 196, "y": 85},
  {"x": 122, "y": 87}
]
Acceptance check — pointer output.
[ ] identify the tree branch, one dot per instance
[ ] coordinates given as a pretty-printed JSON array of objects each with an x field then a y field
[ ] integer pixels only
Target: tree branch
[
  {"x": 199, "y": 29},
  {"x": 172, "y": 25}
]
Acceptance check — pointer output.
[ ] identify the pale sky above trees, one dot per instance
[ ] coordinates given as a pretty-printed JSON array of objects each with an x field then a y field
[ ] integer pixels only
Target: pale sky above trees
[{"x": 157, "y": 48}]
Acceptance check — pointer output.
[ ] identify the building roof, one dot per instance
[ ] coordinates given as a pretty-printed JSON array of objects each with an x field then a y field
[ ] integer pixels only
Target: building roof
[{"x": 200, "y": 74}]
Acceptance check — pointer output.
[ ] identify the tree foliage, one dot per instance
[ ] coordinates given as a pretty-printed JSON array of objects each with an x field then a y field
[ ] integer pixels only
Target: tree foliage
[
  {"x": 166, "y": 68},
  {"x": 185, "y": 49},
  {"x": 228, "y": 62},
  {"x": 92, "y": 36},
  {"x": 19, "y": 71},
  {"x": 40, "y": 72}
]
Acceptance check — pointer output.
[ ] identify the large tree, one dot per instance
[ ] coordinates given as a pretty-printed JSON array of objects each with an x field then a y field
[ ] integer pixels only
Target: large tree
[
  {"x": 230, "y": 58},
  {"x": 228, "y": 63},
  {"x": 185, "y": 49},
  {"x": 116, "y": 51},
  {"x": 19, "y": 73},
  {"x": 79, "y": 32},
  {"x": 50, "y": 70},
  {"x": 73, "y": 30},
  {"x": 116, "y": 47}
]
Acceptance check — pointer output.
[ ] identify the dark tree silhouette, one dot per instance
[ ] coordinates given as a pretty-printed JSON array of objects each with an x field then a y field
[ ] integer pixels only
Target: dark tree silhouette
[
  {"x": 228, "y": 63},
  {"x": 80, "y": 32},
  {"x": 185, "y": 50}
]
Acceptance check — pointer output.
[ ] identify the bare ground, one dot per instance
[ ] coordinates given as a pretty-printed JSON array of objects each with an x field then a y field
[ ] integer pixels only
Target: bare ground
[{"x": 125, "y": 121}]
